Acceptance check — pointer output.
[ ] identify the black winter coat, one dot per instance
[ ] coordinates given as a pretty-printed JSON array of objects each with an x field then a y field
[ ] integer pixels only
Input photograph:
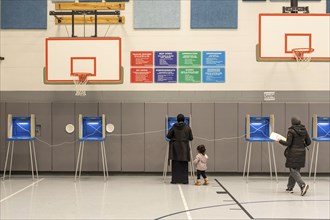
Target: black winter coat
[
  {"x": 296, "y": 141},
  {"x": 180, "y": 134}
]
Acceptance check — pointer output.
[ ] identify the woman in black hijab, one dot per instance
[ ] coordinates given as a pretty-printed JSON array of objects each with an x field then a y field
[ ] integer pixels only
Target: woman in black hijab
[{"x": 180, "y": 134}]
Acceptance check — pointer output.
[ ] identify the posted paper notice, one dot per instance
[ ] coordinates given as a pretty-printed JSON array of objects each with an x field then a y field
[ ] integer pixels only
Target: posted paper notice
[{"x": 276, "y": 137}]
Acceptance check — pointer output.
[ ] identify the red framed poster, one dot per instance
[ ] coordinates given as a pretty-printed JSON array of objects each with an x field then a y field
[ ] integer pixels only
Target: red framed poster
[
  {"x": 142, "y": 58},
  {"x": 141, "y": 75}
]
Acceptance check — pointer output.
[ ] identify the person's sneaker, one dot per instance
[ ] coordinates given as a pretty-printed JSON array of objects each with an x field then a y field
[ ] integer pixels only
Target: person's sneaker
[
  {"x": 289, "y": 190},
  {"x": 304, "y": 189}
]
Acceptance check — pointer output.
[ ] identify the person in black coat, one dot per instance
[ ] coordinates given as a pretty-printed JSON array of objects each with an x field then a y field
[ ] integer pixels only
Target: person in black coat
[
  {"x": 297, "y": 140},
  {"x": 180, "y": 134}
]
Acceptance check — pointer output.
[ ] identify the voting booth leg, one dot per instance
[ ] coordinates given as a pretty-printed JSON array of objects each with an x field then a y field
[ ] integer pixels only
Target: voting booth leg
[
  {"x": 102, "y": 155},
  {"x": 316, "y": 145},
  {"x": 31, "y": 159},
  {"x": 275, "y": 169},
  {"x": 312, "y": 159},
  {"x": 192, "y": 171},
  {"x": 11, "y": 157},
  {"x": 81, "y": 157},
  {"x": 165, "y": 162},
  {"x": 270, "y": 160},
  {"x": 246, "y": 153},
  {"x": 4, "y": 170},
  {"x": 248, "y": 149},
  {"x": 316, "y": 157},
  {"x": 249, "y": 162},
  {"x": 35, "y": 159},
  {"x": 78, "y": 159},
  {"x": 105, "y": 160}
]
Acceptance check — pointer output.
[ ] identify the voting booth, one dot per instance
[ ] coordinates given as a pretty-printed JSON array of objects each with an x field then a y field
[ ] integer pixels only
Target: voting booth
[
  {"x": 320, "y": 133},
  {"x": 92, "y": 129},
  {"x": 21, "y": 129},
  {"x": 258, "y": 129}
]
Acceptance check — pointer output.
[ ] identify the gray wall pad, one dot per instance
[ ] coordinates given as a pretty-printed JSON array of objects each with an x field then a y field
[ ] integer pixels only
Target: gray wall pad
[
  {"x": 138, "y": 143},
  {"x": 163, "y": 96}
]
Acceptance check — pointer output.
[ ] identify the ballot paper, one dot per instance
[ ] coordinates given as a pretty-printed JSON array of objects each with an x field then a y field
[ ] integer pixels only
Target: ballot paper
[{"x": 276, "y": 137}]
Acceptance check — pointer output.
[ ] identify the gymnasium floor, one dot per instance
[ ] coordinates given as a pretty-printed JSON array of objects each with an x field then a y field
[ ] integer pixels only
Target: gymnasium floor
[{"x": 148, "y": 197}]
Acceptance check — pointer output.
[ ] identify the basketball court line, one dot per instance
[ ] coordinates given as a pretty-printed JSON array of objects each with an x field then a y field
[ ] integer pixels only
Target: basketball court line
[
  {"x": 238, "y": 203},
  {"x": 21, "y": 190},
  {"x": 245, "y": 203},
  {"x": 185, "y": 203}
]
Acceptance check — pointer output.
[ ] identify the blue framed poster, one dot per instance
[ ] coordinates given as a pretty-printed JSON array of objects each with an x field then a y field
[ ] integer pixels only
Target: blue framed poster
[
  {"x": 165, "y": 75},
  {"x": 213, "y": 75},
  {"x": 166, "y": 58},
  {"x": 214, "y": 58}
]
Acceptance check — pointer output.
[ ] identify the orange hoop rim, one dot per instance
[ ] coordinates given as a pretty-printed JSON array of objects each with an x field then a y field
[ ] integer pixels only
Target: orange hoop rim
[
  {"x": 299, "y": 52},
  {"x": 82, "y": 77}
]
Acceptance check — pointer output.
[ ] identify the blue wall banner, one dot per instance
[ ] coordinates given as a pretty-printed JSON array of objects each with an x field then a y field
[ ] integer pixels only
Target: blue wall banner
[
  {"x": 166, "y": 58},
  {"x": 165, "y": 75},
  {"x": 214, "y": 14},
  {"x": 214, "y": 58},
  {"x": 23, "y": 14},
  {"x": 213, "y": 75},
  {"x": 156, "y": 14}
]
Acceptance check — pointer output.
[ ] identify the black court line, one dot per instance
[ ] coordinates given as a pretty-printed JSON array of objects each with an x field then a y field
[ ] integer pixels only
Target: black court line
[
  {"x": 247, "y": 203},
  {"x": 238, "y": 203}
]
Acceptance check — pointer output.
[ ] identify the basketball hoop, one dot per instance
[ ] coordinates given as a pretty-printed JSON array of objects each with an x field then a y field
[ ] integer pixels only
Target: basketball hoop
[
  {"x": 80, "y": 80},
  {"x": 303, "y": 55}
]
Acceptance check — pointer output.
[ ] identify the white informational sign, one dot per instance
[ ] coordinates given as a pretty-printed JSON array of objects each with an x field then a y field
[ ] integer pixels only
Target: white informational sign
[{"x": 269, "y": 96}]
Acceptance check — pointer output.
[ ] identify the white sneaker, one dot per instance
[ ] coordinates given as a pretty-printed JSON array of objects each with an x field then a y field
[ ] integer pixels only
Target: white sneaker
[{"x": 304, "y": 189}]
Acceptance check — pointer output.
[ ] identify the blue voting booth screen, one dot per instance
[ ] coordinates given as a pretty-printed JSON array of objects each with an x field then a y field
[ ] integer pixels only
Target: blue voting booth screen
[
  {"x": 21, "y": 127},
  {"x": 259, "y": 129},
  {"x": 323, "y": 129},
  {"x": 172, "y": 120},
  {"x": 92, "y": 127}
]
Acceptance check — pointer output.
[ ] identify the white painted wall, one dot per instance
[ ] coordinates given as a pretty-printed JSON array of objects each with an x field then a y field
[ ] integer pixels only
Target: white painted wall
[{"x": 24, "y": 52}]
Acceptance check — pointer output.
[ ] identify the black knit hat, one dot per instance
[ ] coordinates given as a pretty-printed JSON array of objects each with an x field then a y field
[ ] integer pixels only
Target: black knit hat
[{"x": 295, "y": 121}]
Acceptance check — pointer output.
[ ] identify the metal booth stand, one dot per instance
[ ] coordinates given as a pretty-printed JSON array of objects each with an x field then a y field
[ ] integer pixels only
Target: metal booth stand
[
  {"x": 169, "y": 122},
  {"x": 258, "y": 129},
  {"x": 21, "y": 129},
  {"x": 320, "y": 133}
]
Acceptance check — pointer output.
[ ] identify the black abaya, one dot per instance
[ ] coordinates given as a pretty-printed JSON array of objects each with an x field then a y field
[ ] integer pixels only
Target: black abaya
[{"x": 180, "y": 172}]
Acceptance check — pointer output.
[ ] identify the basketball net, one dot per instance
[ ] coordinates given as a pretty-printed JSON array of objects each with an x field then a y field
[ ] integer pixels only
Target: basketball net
[
  {"x": 303, "y": 55},
  {"x": 80, "y": 80}
]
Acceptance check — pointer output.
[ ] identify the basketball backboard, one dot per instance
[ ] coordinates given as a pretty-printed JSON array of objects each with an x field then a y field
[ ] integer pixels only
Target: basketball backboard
[
  {"x": 280, "y": 33},
  {"x": 66, "y": 58}
]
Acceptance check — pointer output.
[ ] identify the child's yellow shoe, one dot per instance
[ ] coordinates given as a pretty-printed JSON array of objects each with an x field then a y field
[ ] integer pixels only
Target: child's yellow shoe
[
  {"x": 198, "y": 183},
  {"x": 206, "y": 181}
]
